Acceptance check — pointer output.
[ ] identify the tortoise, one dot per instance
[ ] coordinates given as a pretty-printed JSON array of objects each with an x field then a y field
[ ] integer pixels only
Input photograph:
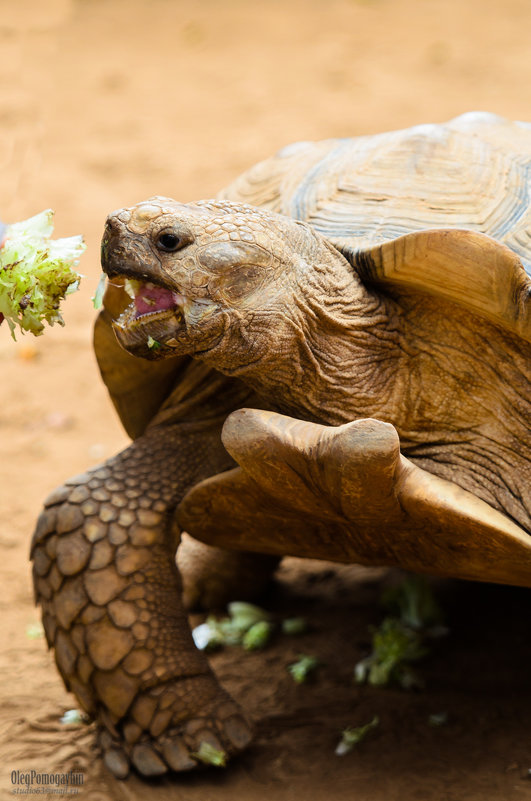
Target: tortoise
[{"x": 335, "y": 360}]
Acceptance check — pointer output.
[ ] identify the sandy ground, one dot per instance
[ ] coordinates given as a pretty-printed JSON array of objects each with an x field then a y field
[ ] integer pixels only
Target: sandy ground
[{"x": 106, "y": 102}]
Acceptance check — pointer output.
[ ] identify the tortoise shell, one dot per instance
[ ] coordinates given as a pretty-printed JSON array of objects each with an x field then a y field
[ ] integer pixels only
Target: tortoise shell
[{"x": 473, "y": 172}]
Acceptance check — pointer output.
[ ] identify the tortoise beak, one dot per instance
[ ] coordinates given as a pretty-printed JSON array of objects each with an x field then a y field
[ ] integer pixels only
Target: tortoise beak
[{"x": 124, "y": 253}]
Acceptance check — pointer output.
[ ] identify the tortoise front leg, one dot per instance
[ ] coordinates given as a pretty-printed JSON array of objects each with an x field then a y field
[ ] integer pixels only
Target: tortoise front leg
[
  {"x": 105, "y": 576},
  {"x": 346, "y": 493}
]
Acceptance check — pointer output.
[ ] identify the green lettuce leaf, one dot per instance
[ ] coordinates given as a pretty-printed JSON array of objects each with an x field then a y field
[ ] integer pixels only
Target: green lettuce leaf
[{"x": 36, "y": 273}]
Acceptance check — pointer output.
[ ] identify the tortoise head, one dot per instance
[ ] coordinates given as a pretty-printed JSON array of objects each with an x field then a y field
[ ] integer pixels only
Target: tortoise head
[{"x": 197, "y": 273}]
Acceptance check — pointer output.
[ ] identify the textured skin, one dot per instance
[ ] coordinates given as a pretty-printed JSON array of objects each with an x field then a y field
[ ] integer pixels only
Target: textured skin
[
  {"x": 212, "y": 577},
  {"x": 323, "y": 316},
  {"x": 105, "y": 576}
]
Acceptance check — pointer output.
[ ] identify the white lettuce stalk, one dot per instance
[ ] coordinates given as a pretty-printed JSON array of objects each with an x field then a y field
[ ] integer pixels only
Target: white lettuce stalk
[{"x": 36, "y": 272}]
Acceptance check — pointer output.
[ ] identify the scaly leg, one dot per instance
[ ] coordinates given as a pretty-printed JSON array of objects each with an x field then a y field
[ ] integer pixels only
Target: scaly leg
[
  {"x": 106, "y": 579},
  {"x": 214, "y": 576}
]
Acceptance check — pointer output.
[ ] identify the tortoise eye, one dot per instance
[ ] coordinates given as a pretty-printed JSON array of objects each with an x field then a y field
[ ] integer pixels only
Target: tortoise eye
[{"x": 168, "y": 242}]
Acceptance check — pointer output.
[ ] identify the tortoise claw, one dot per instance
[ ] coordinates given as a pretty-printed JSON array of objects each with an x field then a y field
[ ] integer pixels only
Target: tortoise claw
[
  {"x": 116, "y": 761},
  {"x": 177, "y": 756},
  {"x": 147, "y": 761},
  {"x": 177, "y": 748},
  {"x": 238, "y": 732}
]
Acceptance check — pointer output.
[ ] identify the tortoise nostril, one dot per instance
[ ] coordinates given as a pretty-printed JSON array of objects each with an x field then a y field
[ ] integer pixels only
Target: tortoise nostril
[
  {"x": 111, "y": 237},
  {"x": 111, "y": 224},
  {"x": 117, "y": 220}
]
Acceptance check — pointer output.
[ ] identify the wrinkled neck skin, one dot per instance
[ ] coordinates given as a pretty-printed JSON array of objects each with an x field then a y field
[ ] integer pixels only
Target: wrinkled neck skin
[
  {"x": 456, "y": 387},
  {"x": 308, "y": 348}
]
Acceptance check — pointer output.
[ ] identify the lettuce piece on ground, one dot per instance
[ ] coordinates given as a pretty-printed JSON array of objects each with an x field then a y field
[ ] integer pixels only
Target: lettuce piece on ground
[
  {"x": 214, "y": 634},
  {"x": 414, "y": 603},
  {"x": 245, "y": 619},
  {"x": 303, "y": 668},
  {"x": 244, "y": 615},
  {"x": 258, "y": 635},
  {"x": 352, "y": 736},
  {"x": 294, "y": 626},
  {"x": 34, "y": 631},
  {"x": 207, "y": 636},
  {"x": 73, "y": 717},
  {"x": 394, "y": 647},
  {"x": 209, "y": 755},
  {"x": 36, "y": 272}
]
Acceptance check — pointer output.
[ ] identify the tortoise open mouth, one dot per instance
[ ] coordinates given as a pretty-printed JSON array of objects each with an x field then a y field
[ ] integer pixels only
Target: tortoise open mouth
[
  {"x": 152, "y": 319},
  {"x": 149, "y": 301}
]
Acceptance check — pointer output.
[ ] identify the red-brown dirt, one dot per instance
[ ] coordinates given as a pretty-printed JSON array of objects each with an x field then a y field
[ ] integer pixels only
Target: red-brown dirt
[{"x": 106, "y": 102}]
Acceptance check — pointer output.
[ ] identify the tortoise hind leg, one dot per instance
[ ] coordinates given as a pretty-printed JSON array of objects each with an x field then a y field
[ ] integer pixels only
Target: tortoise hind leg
[
  {"x": 105, "y": 576},
  {"x": 214, "y": 576}
]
